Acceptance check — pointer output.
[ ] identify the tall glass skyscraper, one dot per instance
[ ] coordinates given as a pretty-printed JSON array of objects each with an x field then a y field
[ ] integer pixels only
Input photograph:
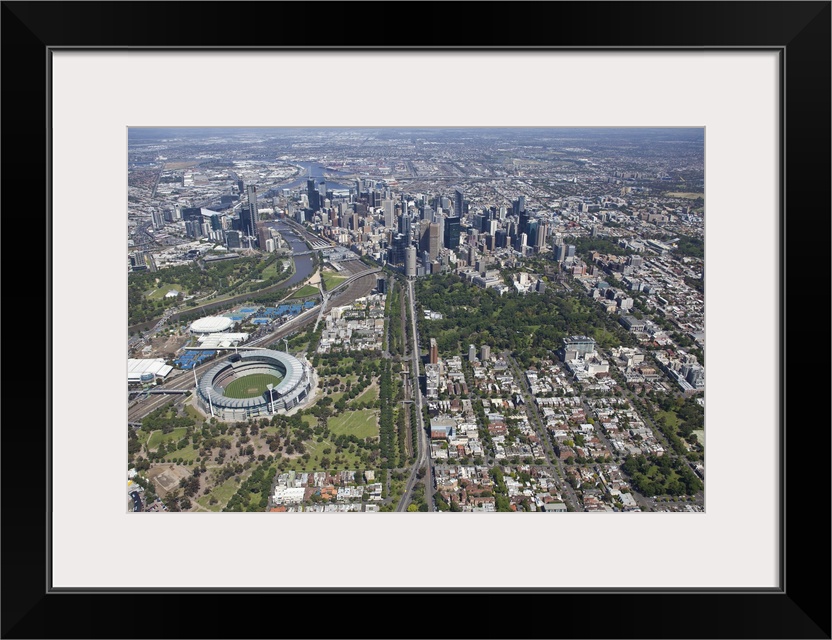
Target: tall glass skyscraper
[
  {"x": 452, "y": 230},
  {"x": 248, "y": 214}
]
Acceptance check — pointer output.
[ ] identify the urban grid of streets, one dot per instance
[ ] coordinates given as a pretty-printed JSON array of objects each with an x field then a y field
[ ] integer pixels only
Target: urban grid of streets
[{"x": 486, "y": 319}]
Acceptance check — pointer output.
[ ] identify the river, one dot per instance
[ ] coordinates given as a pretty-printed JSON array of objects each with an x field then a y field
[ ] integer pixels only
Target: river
[
  {"x": 316, "y": 171},
  {"x": 303, "y": 269},
  {"x": 303, "y": 264}
]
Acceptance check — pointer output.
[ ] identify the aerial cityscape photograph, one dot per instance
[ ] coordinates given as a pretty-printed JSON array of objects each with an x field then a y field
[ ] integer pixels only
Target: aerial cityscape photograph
[{"x": 415, "y": 320}]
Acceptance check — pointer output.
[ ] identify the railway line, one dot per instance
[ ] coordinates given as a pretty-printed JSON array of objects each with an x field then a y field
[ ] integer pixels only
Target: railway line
[{"x": 361, "y": 286}]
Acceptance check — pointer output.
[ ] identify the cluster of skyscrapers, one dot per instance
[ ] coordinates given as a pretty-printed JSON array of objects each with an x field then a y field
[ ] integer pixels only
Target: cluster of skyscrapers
[
  {"x": 232, "y": 221},
  {"x": 414, "y": 230},
  {"x": 417, "y": 233}
]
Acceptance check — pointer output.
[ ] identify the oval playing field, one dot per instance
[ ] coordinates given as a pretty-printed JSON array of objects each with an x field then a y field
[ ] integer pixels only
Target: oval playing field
[
  {"x": 250, "y": 386},
  {"x": 235, "y": 388}
]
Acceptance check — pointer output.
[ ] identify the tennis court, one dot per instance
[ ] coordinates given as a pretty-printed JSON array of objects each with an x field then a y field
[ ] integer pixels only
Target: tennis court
[{"x": 190, "y": 359}]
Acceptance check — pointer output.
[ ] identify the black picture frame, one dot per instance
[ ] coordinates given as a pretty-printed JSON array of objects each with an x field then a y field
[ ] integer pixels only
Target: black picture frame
[{"x": 800, "y": 31}]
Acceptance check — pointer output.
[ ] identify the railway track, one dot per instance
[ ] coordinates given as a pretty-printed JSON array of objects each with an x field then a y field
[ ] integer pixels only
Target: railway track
[{"x": 357, "y": 289}]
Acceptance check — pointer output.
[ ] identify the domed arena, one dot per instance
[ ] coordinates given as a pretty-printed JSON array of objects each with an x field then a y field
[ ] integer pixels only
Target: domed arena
[
  {"x": 254, "y": 383},
  {"x": 211, "y": 324}
]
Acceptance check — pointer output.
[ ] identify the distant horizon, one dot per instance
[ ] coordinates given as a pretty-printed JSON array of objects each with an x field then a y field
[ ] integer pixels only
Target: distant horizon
[{"x": 410, "y": 128}]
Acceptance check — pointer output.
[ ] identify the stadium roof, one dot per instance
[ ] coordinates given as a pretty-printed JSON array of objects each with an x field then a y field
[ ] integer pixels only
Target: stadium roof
[
  {"x": 214, "y": 340},
  {"x": 137, "y": 366},
  {"x": 211, "y": 324},
  {"x": 293, "y": 377}
]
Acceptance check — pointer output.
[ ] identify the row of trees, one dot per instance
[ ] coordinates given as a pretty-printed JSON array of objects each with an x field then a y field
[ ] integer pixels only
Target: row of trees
[
  {"x": 387, "y": 423},
  {"x": 417, "y": 497},
  {"x": 333, "y": 364},
  {"x": 401, "y": 432},
  {"x": 482, "y": 422},
  {"x": 414, "y": 427},
  {"x": 393, "y": 311},
  {"x": 500, "y": 490}
]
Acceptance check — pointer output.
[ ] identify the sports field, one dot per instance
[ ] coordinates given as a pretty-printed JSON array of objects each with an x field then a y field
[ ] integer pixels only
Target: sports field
[
  {"x": 362, "y": 423},
  {"x": 250, "y": 386}
]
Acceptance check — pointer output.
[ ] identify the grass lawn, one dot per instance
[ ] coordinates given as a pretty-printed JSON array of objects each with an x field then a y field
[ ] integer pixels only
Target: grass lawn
[
  {"x": 344, "y": 361},
  {"x": 306, "y": 291},
  {"x": 335, "y": 396},
  {"x": 350, "y": 377},
  {"x": 362, "y": 423},
  {"x": 254, "y": 499},
  {"x": 396, "y": 490},
  {"x": 271, "y": 270},
  {"x": 157, "y": 437},
  {"x": 653, "y": 472},
  {"x": 188, "y": 453},
  {"x": 369, "y": 395},
  {"x": 300, "y": 347},
  {"x": 160, "y": 293},
  {"x": 220, "y": 298},
  {"x": 312, "y": 421},
  {"x": 194, "y": 413},
  {"x": 142, "y": 436},
  {"x": 250, "y": 386},
  {"x": 331, "y": 280},
  {"x": 700, "y": 436},
  {"x": 222, "y": 493},
  {"x": 670, "y": 418},
  {"x": 315, "y": 450}
]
